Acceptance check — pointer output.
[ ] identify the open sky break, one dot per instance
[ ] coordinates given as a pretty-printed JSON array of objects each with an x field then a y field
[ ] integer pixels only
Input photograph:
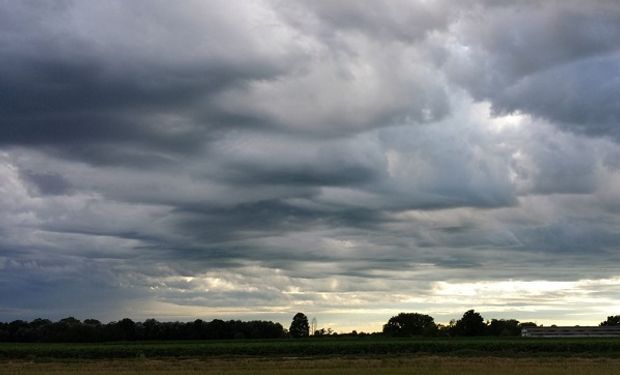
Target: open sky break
[{"x": 347, "y": 159}]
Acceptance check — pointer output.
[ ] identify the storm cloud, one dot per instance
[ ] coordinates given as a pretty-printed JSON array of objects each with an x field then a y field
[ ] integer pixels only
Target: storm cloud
[{"x": 255, "y": 158}]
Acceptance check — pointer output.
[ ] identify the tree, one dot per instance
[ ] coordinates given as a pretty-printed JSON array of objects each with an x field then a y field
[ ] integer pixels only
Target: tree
[
  {"x": 502, "y": 327},
  {"x": 91, "y": 330},
  {"x": 471, "y": 324},
  {"x": 126, "y": 329},
  {"x": 325, "y": 332},
  {"x": 152, "y": 329},
  {"x": 299, "y": 326},
  {"x": 612, "y": 321},
  {"x": 410, "y": 324}
]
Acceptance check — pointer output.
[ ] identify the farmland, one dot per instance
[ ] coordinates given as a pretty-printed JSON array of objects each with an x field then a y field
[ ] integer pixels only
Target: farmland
[
  {"x": 342, "y": 355},
  {"x": 361, "y": 346},
  {"x": 424, "y": 365}
]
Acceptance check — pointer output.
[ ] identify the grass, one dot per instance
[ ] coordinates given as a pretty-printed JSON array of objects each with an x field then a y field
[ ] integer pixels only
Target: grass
[
  {"x": 359, "y": 356},
  {"x": 307, "y": 366},
  {"x": 335, "y": 347}
]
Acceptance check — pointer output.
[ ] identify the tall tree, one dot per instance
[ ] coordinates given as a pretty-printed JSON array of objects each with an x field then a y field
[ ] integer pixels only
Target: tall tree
[
  {"x": 471, "y": 324},
  {"x": 410, "y": 324},
  {"x": 613, "y": 320},
  {"x": 503, "y": 327},
  {"x": 299, "y": 326}
]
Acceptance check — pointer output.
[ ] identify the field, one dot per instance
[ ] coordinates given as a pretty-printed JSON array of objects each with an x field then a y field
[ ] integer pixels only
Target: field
[
  {"x": 426, "y": 365},
  {"x": 362, "y": 355},
  {"x": 362, "y": 346}
]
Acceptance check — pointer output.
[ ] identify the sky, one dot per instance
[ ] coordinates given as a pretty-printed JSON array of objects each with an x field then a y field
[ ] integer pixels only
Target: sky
[{"x": 347, "y": 159}]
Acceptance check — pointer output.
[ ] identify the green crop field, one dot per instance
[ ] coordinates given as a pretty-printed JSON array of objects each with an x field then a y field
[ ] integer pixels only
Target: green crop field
[{"x": 367, "y": 346}]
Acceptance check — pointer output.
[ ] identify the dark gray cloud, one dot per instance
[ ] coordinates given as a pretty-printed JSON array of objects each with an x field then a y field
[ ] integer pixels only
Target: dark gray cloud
[
  {"x": 73, "y": 78},
  {"x": 557, "y": 60},
  {"x": 252, "y": 159},
  {"x": 47, "y": 183}
]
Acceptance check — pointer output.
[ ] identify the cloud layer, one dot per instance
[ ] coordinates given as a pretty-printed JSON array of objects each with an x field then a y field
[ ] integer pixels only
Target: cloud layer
[{"x": 252, "y": 159}]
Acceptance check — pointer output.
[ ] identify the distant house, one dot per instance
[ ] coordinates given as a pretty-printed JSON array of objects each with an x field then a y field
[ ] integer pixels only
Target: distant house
[{"x": 577, "y": 331}]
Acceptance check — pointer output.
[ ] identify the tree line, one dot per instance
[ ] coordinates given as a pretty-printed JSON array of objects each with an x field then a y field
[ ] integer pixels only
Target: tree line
[
  {"x": 401, "y": 325},
  {"x": 470, "y": 324},
  {"x": 91, "y": 330}
]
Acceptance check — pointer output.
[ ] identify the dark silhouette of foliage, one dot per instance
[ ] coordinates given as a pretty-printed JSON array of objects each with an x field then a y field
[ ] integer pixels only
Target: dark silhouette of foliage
[
  {"x": 410, "y": 324},
  {"x": 299, "y": 326},
  {"x": 502, "y": 327},
  {"x": 325, "y": 332},
  {"x": 613, "y": 320},
  {"x": 91, "y": 330},
  {"x": 471, "y": 324}
]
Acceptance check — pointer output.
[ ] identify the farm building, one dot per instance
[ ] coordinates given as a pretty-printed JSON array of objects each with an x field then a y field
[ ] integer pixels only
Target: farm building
[{"x": 576, "y": 331}]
